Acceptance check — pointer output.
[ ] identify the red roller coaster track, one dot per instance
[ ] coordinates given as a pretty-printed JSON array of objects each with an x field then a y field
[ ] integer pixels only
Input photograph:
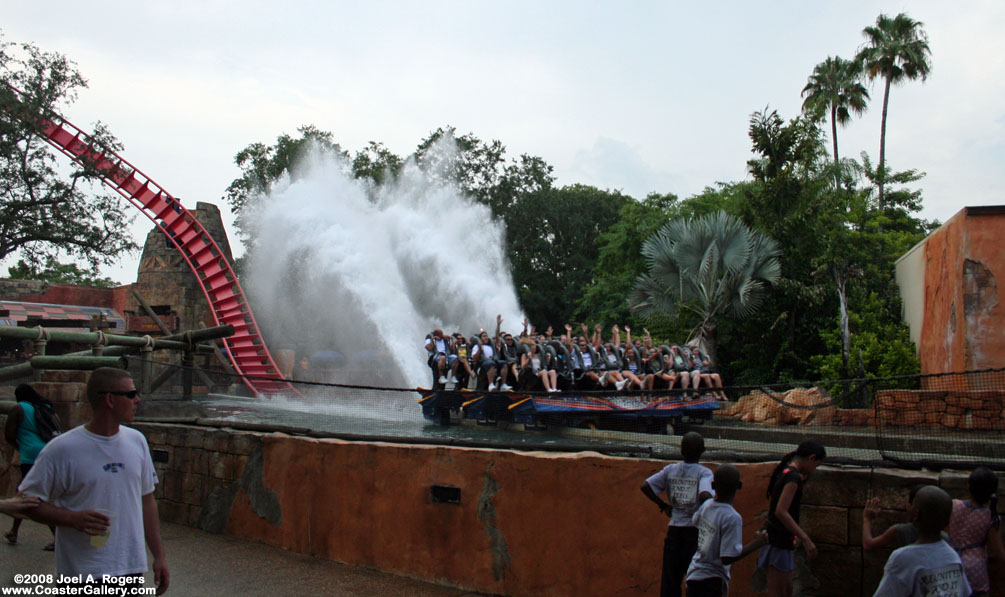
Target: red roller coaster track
[{"x": 246, "y": 348}]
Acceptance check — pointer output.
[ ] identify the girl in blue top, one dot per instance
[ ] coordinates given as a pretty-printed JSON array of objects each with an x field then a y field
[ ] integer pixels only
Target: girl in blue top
[{"x": 22, "y": 432}]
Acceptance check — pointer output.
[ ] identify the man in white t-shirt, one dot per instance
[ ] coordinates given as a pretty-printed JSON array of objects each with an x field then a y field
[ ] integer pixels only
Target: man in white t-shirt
[
  {"x": 720, "y": 538},
  {"x": 929, "y": 566},
  {"x": 687, "y": 484},
  {"x": 96, "y": 484}
]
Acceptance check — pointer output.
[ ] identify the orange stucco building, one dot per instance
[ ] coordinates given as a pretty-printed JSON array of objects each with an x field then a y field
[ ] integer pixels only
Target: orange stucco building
[{"x": 949, "y": 286}]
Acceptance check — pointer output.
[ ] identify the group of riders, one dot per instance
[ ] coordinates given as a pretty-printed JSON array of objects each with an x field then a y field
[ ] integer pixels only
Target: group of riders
[{"x": 536, "y": 361}]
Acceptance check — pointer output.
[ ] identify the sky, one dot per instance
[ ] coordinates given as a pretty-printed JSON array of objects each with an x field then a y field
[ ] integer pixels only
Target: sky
[{"x": 636, "y": 96}]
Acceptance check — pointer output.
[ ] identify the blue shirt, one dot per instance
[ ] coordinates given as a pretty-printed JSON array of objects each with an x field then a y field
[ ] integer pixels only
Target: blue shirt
[{"x": 29, "y": 444}]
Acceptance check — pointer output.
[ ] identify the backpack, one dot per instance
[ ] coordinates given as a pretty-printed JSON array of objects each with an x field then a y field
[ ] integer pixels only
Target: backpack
[{"x": 46, "y": 422}]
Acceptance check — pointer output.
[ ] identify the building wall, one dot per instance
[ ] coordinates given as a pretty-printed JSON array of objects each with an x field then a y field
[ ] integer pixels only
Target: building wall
[
  {"x": 963, "y": 316},
  {"x": 38, "y": 291},
  {"x": 910, "y": 277}
]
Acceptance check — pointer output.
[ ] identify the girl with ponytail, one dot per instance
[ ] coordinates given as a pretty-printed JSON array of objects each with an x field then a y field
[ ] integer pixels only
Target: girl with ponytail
[
  {"x": 785, "y": 491},
  {"x": 974, "y": 529}
]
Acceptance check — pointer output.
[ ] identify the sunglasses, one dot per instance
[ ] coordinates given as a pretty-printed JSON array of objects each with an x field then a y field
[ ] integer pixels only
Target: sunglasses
[{"x": 130, "y": 394}]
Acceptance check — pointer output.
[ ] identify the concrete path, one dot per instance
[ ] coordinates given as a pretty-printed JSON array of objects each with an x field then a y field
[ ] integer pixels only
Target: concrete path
[{"x": 206, "y": 564}]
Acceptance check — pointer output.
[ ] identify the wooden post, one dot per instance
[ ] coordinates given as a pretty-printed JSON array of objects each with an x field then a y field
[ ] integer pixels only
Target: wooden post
[
  {"x": 188, "y": 365},
  {"x": 40, "y": 342},
  {"x": 146, "y": 367}
]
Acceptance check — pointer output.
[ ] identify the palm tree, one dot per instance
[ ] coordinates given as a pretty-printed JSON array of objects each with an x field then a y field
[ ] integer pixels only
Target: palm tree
[
  {"x": 835, "y": 86},
  {"x": 712, "y": 266},
  {"x": 896, "y": 49}
]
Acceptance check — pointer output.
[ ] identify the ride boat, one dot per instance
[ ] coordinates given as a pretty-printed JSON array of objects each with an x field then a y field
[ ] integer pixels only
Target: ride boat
[{"x": 649, "y": 412}]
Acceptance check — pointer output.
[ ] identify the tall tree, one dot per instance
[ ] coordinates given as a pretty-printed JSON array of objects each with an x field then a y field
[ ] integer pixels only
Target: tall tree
[
  {"x": 835, "y": 87},
  {"x": 713, "y": 266},
  {"x": 897, "y": 50},
  {"x": 553, "y": 240},
  {"x": 619, "y": 259},
  {"x": 46, "y": 213}
]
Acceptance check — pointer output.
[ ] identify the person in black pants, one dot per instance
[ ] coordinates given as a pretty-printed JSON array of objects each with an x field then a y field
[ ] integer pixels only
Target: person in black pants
[{"x": 687, "y": 485}]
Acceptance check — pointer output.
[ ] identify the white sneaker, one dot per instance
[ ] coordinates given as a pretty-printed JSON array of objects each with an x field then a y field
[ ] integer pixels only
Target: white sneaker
[
  {"x": 505, "y": 387},
  {"x": 620, "y": 384},
  {"x": 453, "y": 379},
  {"x": 492, "y": 387},
  {"x": 443, "y": 379}
]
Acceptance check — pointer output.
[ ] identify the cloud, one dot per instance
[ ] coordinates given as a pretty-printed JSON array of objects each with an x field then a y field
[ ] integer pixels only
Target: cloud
[{"x": 614, "y": 164}]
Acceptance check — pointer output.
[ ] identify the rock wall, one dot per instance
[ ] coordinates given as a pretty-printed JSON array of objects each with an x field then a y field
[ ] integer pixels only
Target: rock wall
[
  {"x": 953, "y": 409},
  {"x": 798, "y": 406},
  {"x": 524, "y": 523}
]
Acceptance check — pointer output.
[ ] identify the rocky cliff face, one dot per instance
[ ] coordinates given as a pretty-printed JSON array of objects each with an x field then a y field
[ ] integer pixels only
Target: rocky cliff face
[{"x": 798, "y": 406}]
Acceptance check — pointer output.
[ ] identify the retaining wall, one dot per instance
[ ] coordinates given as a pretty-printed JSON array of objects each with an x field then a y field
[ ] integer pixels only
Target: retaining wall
[{"x": 526, "y": 523}]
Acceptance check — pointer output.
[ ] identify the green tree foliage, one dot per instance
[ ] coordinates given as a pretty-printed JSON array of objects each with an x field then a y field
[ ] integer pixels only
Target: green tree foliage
[
  {"x": 714, "y": 267},
  {"x": 620, "y": 261},
  {"x": 59, "y": 273},
  {"x": 45, "y": 213},
  {"x": 835, "y": 88},
  {"x": 897, "y": 50},
  {"x": 553, "y": 242}
]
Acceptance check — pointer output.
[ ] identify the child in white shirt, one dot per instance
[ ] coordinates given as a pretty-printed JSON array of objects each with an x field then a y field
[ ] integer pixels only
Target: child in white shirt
[
  {"x": 929, "y": 566},
  {"x": 720, "y": 538},
  {"x": 687, "y": 484}
]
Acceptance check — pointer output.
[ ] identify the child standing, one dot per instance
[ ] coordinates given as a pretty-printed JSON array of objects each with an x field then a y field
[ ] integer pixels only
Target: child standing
[
  {"x": 786, "y": 492},
  {"x": 973, "y": 528},
  {"x": 720, "y": 538},
  {"x": 929, "y": 566},
  {"x": 687, "y": 484}
]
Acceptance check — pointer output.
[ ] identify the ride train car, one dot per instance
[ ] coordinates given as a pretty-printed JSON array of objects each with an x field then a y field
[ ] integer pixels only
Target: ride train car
[{"x": 578, "y": 399}]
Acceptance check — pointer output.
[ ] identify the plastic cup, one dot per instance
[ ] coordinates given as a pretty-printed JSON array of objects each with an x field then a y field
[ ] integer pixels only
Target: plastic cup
[{"x": 101, "y": 538}]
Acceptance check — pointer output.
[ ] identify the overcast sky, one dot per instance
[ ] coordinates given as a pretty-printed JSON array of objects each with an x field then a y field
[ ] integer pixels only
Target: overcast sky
[{"x": 636, "y": 96}]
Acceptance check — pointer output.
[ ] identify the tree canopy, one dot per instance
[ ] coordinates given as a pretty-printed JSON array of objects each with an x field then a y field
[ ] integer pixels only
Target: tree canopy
[{"x": 45, "y": 214}]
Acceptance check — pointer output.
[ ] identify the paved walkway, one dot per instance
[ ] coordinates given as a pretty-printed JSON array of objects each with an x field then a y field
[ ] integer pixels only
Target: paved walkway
[{"x": 206, "y": 564}]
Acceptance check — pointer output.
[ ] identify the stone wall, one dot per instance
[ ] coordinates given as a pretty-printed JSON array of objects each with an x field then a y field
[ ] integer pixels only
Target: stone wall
[
  {"x": 166, "y": 282},
  {"x": 951, "y": 408},
  {"x": 525, "y": 523}
]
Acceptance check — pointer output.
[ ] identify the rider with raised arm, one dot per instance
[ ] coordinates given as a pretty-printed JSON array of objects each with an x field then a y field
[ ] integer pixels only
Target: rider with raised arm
[
  {"x": 627, "y": 373},
  {"x": 582, "y": 360},
  {"x": 502, "y": 360}
]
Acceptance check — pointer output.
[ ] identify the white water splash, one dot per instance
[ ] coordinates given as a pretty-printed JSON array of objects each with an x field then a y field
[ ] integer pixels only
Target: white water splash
[{"x": 341, "y": 266}]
